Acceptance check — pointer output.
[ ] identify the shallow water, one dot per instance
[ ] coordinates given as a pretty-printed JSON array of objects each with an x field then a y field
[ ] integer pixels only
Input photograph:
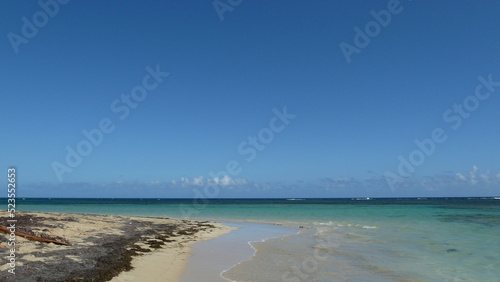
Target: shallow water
[
  {"x": 453, "y": 239},
  {"x": 211, "y": 259}
]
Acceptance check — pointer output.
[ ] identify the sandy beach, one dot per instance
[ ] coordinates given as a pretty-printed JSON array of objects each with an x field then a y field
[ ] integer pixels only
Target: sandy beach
[{"x": 103, "y": 247}]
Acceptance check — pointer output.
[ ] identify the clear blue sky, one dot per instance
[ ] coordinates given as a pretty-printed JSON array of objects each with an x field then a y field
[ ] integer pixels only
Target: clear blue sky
[{"x": 352, "y": 120}]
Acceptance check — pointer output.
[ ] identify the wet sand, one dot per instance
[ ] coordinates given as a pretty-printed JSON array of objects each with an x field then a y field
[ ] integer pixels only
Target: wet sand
[
  {"x": 210, "y": 260},
  {"x": 103, "y": 247}
]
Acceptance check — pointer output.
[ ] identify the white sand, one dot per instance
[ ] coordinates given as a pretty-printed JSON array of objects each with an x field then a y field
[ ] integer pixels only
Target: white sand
[{"x": 168, "y": 263}]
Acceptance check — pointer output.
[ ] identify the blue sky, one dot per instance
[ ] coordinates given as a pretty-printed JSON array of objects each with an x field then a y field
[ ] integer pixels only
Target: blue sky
[{"x": 229, "y": 73}]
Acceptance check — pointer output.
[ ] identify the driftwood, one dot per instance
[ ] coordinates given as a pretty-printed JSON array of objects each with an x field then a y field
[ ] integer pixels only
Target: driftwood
[{"x": 33, "y": 237}]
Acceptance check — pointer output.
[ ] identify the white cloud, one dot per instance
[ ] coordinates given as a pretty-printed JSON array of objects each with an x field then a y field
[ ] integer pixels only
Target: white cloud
[
  {"x": 225, "y": 181},
  {"x": 472, "y": 174},
  {"x": 228, "y": 181},
  {"x": 477, "y": 178},
  {"x": 461, "y": 177},
  {"x": 198, "y": 181},
  {"x": 486, "y": 177},
  {"x": 184, "y": 181}
]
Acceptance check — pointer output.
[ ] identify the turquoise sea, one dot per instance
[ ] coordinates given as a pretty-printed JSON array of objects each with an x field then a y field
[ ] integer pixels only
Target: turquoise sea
[{"x": 417, "y": 239}]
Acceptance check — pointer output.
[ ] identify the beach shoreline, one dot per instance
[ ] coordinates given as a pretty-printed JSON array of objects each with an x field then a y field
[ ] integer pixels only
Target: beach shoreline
[
  {"x": 210, "y": 260},
  {"x": 103, "y": 247}
]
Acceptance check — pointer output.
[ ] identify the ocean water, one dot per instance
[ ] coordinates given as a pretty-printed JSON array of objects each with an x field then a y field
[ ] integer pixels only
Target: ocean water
[{"x": 435, "y": 239}]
